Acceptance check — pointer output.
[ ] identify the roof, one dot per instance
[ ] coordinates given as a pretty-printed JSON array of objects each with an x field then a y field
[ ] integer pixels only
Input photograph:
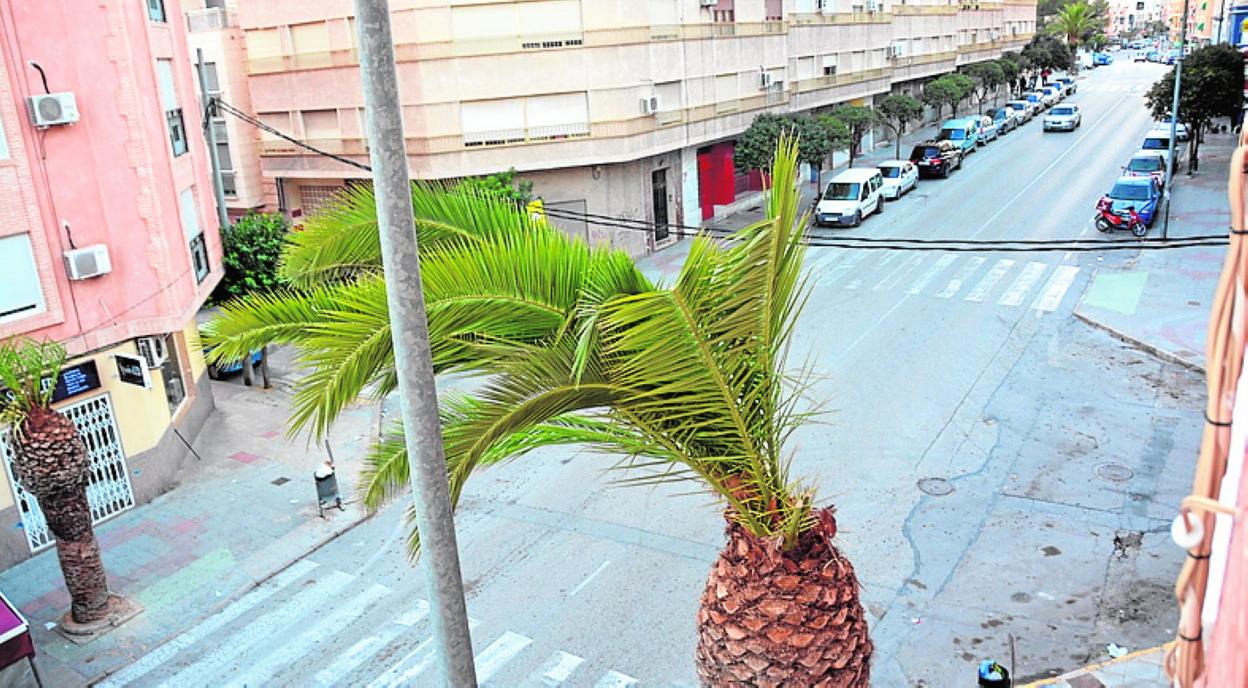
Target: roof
[
  {"x": 1149, "y": 154},
  {"x": 856, "y": 174},
  {"x": 892, "y": 163},
  {"x": 1134, "y": 181}
]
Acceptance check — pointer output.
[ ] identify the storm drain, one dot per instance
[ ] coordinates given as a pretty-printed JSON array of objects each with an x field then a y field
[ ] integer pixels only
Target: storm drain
[
  {"x": 936, "y": 487},
  {"x": 1114, "y": 472},
  {"x": 281, "y": 481}
]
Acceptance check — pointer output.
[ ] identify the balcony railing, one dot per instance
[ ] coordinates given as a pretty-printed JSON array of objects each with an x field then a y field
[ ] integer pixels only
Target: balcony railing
[
  {"x": 832, "y": 80},
  {"x": 819, "y": 18},
  {"x": 212, "y": 19},
  {"x": 917, "y": 60},
  {"x": 904, "y": 10}
]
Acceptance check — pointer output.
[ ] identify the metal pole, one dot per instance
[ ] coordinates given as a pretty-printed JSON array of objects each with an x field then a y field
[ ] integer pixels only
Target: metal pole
[
  {"x": 1174, "y": 118},
  {"x": 207, "y": 107},
  {"x": 418, "y": 402}
]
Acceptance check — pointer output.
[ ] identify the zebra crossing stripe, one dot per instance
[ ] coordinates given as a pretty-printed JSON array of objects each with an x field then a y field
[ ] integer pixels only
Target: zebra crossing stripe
[
  {"x": 936, "y": 268},
  {"x": 614, "y": 679},
  {"x": 363, "y": 650},
  {"x": 842, "y": 268},
  {"x": 307, "y": 601},
  {"x": 498, "y": 653},
  {"x": 556, "y": 670},
  {"x": 1028, "y": 277},
  {"x": 899, "y": 273},
  {"x": 825, "y": 260},
  {"x": 1055, "y": 289},
  {"x": 260, "y": 673},
  {"x": 888, "y": 258},
  {"x": 986, "y": 284},
  {"x": 412, "y": 665},
  {"x": 961, "y": 276},
  {"x": 163, "y": 654}
]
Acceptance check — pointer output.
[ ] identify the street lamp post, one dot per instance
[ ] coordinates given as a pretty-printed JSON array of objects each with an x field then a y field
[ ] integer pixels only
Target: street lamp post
[
  {"x": 1174, "y": 117},
  {"x": 418, "y": 399}
]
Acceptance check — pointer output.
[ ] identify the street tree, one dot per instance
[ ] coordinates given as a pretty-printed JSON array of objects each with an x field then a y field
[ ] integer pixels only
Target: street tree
[
  {"x": 251, "y": 249},
  {"x": 896, "y": 112},
  {"x": 756, "y": 146},
  {"x": 1074, "y": 23},
  {"x": 1047, "y": 52},
  {"x": 1211, "y": 87},
  {"x": 986, "y": 76},
  {"x": 576, "y": 346},
  {"x": 51, "y": 463},
  {"x": 813, "y": 145},
  {"x": 837, "y": 133},
  {"x": 505, "y": 184},
  {"x": 859, "y": 120},
  {"x": 940, "y": 92},
  {"x": 1011, "y": 67}
]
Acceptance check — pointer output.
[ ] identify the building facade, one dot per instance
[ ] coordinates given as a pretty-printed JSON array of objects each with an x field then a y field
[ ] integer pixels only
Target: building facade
[
  {"x": 626, "y": 108},
  {"x": 1126, "y": 17},
  {"x": 108, "y": 242}
]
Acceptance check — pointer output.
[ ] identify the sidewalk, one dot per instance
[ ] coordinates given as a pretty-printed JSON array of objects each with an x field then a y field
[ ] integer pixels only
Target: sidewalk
[
  {"x": 242, "y": 515},
  {"x": 1142, "y": 668},
  {"x": 1160, "y": 300}
]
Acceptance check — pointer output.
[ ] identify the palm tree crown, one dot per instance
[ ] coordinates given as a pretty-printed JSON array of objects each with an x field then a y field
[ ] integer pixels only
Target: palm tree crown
[{"x": 1074, "y": 22}]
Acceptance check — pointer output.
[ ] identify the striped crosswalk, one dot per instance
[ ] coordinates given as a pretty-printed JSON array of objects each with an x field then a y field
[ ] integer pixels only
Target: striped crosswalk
[
  {"x": 973, "y": 279},
  {"x": 314, "y": 626}
]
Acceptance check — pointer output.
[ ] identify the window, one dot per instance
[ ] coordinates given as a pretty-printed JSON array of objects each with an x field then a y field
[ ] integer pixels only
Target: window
[
  {"x": 511, "y": 120},
  {"x": 774, "y": 10},
  {"x": 223, "y": 158},
  {"x": 214, "y": 4},
  {"x": 156, "y": 10},
  {"x": 211, "y": 79},
  {"x": 22, "y": 295},
  {"x": 171, "y": 371},
  {"x": 169, "y": 102},
  {"x": 321, "y": 124},
  {"x": 194, "y": 235}
]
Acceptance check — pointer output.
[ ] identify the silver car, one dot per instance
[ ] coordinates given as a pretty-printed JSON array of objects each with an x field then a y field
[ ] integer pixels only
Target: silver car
[{"x": 1063, "y": 118}]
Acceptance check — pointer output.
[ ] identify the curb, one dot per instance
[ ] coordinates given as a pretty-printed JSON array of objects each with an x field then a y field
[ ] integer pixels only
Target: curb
[
  {"x": 1098, "y": 666},
  {"x": 1139, "y": 343}
]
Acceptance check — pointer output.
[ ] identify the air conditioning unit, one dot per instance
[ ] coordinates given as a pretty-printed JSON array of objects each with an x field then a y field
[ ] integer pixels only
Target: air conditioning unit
[
  {"x": 52, "y": 109},
  {"x": 764, "y": 81},
  {"x": 153, "y": 351},
  {"x": 710, "y": 3},
  {"x": 650, "y": 105},
  {"x": 87, "y": 262}
]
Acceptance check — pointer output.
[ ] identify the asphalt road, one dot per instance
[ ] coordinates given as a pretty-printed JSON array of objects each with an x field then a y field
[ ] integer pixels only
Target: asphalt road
[{"x": 999, "y": 469}]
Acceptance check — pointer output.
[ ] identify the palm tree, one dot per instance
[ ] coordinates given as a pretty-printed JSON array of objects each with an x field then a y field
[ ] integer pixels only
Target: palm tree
[
  {"x": 1074, "y": 23},
  {"x": 51, "y": 463},
  {"x": 575, "y": 346}
]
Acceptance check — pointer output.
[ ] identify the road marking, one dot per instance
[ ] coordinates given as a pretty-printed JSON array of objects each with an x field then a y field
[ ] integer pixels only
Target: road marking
[
  {"x": 213, "y": 663},
  {"x": 825, "y": 260},
  {"x": 580, "y": 586},
  {"x": 498, "y": 653},
  {"x": 412, "y": 665},
  {"x": 163, "y": 654},
  {"x": 938, "y": 267},
  {"x": 1028, "y": 277},
  {"x": 614, "y": 679},
  {"x": 899, "y": 273},
  {"x": 885, "y": 260},
  {"x": 994, "y": 275},
  {"x": 842, "y": 268},
  {"x": 364, "y": 650},
  {"x": 961, "y": 276},
  {"x": 348, "y": 612},
  {"x": 1055, "y": 289},
  {"x": 556, "y": 670}
]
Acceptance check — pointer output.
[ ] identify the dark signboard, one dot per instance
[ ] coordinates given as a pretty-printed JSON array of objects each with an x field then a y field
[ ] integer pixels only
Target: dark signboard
[
  {"x": 75, "y": 380},
  {"x": 131, "y": 370}
]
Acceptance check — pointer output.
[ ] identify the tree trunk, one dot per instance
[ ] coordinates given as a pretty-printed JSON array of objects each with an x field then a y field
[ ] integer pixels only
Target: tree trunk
[
  {"x": 69, "y": 519},
  {"x": 772, "y": 618},
  {"x": 1193, "y": 148},
  {"x": 897, "y": 138}
]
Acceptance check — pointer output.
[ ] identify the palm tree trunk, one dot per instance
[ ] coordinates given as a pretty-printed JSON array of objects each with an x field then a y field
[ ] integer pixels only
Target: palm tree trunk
[{"x": 69, "y": 519}]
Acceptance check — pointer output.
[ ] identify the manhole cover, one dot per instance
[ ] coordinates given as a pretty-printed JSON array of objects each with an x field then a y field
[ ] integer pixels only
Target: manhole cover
[
  {"x": 281, "y": 481},
  {"x": 936, "y": 487},
  {"x": 1114, "y": 472}
]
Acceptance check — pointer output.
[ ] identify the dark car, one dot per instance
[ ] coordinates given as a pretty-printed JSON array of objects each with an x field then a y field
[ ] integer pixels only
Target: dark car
[
  {"x": 1002, "y": 119},
  {"x": 936, "y": 158}
]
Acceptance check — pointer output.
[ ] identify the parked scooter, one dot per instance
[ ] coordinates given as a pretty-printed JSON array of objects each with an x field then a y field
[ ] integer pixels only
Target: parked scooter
[{"x": 1107, "y": 220}]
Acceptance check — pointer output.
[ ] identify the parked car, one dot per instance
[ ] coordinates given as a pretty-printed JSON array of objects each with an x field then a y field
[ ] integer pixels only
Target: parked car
[
  {"x": 216, "y": 371},
  {"x": 1102, "y": 59},
  {"x": 1181, "y": 132},
  {"x": 1055, "y": 93},
  {"x": 1025, "y": 109},
  {"x": 1147, "y": 164},
  {"x": 1152, "y": 56},
  {"x": 1003, "y": 118},
  {"x": 899, "y": 177},
  {"x": 936, "y": 158},
  {"x": 1068, "y": 83},
  {"x": 1157, "y": 140},
  {"x": 1063, "y": 118},
  {"x": 963, "y": 132},
  {"x": 1141, "y": 194},
  {"x": 988, "y": 130},
  {"x": 851, "y": 196},
  {"x": 1037, "y": 98},
  {"x": 1140, "y": 56}
]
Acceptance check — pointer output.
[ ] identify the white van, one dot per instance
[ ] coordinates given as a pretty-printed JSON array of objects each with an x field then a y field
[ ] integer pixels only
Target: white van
[{"x": 849, "y": 197}]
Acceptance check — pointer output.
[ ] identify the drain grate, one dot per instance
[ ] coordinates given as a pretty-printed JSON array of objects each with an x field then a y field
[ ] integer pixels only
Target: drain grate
[
  {"x": 936, "y": 487},
  {"x": 281, "y": 481},
  {"x": 1114, "y": 472}
]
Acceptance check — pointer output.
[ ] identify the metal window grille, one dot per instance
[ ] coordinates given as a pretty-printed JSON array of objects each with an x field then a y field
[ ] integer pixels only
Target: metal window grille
[{"x": 108, "y": 489}]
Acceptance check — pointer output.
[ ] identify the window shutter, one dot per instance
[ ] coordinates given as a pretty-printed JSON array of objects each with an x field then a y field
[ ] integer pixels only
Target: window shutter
[
  {"x": 22, "y": 295},
  {"x": 164, "y": 80}
]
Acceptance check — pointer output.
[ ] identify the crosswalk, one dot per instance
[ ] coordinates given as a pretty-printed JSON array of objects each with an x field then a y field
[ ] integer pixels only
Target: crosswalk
[
  {"x": 973, "y": 279},
  {"x": 1111, "y": 87},
  {"x": 314, "y": 626}
]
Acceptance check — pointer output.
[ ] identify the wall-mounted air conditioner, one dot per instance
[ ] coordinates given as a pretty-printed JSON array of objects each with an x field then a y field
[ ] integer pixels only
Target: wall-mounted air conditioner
[
  {"x": 87, "y": 262},
  {"x": 52, "y": 109},
  {"x": 650, "y": 105},
  {"x": 152, "y": 349}
]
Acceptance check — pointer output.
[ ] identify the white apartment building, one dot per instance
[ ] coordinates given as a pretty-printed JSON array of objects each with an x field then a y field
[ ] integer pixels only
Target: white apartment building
[{"x": 626, "y": 108}]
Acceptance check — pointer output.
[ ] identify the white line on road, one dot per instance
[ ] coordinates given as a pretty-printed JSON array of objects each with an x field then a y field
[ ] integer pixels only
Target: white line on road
[
  {"x": 614, "y": 679},
  {"x": 1055, "y": 289},
  {"x": 580, "y": 586},
  {"x": 498, "y": 653},
  {"x": 1025, "y": 280},
  {"x": 364, "y": 650},
  {"x": 899, "y": 273},
  {"x": 842, "y": 268},
  {"x": 938, "y": 267},
  {"x": 259, "y": 673},
  {"x": 985, "y": 285},
  {"x": 412, "y": 665},
  {"x": 961, "y": 276},
  {"x": 884, "y": 260},
  {"x": 212, "y": 665},
  {"x": 556, "y": 670},
  {"x": 244, "y": 604}
]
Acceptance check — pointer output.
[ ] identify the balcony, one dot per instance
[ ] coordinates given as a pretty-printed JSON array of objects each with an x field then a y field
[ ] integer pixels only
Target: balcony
[
  {"x": 910, "y": 10},
  {"x": 833, "y": 80},
  {"x": 213, "y": 19},
  {"x": 820, "y": 18}
]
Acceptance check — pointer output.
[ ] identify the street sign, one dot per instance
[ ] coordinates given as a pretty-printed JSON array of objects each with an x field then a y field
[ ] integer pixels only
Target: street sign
[{"x": 132, "y": 370}]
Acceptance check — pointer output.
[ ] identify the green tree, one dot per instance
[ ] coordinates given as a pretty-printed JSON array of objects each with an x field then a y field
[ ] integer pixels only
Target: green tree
[
  {"x": 1075, "y": 23},
  {"x": 940, "y": 92},
  {"x": 1212, "y": 87},
  {"x": 756, "y": 146},
  {"x": 502, "y": 184},
  {"x": 859, "y": 120},
  {"x": 252, "y": 248},
  {"x": 576, "y": 346},
  {"x": 986, "y": 77},
  {"x": 813, "y": 145},
  {"x": 1011, "y": 67},
  {"x": 1048, "y": 52},
  {"x": 896, "y": 112},
  {"x": 837, "y": 133}
]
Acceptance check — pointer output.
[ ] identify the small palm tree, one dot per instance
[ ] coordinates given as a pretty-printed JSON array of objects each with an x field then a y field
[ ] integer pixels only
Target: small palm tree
[
  {"x": 51, "y": 463},
  {"x": 1074, "y": 23},
  {"x": 577, "y": 347}
]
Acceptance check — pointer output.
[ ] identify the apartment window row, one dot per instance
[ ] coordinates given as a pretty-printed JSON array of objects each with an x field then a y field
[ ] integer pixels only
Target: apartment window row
[
  {"x": 513, "y": 120},
  {"x": 172, "y": 109},
  {"x": 212, "y": 82},
  {"x": 189, "y": 211}
]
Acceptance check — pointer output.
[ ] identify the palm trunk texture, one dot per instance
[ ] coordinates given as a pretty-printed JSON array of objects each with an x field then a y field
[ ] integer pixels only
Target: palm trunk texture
[
  {"x": 772, "y": 618},
  {"x": 52, "y": 465}
]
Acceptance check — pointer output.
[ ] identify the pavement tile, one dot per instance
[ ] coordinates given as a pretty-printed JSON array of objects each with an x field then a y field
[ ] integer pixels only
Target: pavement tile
[
  {"x": 244, "y": 457},
  {"x": 1085, "y": 681}
]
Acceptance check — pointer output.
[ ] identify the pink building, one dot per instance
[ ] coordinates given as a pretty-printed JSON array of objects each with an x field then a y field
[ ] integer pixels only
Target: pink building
[{"x": 108, "y": 237}]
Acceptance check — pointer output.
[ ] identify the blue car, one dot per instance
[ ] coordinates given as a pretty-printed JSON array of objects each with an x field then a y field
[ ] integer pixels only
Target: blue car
[
  {"x": 1142, "y": 194},
  {"x": 218, "y": 371},
  {"x": 1102, "y": 59},
  {"x": 962, "y": 132}
]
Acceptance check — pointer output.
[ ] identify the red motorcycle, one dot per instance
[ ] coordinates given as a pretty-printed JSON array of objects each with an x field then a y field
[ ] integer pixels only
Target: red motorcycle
[{"x": 1107, "y": 220}]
